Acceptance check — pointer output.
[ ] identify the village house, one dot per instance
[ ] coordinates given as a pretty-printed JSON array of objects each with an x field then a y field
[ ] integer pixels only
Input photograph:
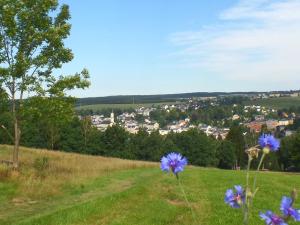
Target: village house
[{"x": 102, "y": 123}]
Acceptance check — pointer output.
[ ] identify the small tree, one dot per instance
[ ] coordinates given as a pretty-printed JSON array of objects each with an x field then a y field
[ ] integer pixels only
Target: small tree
[
  {"x": 32, "y": 46},
  {"x": 86, "y": 128}
]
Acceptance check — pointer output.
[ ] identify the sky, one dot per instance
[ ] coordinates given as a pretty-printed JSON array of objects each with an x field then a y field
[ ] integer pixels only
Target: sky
[{"x": 176, "y": 46}]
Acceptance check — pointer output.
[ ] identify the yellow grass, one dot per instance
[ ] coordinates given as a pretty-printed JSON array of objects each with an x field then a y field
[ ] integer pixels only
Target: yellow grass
[{"x": 64, "y": 168}]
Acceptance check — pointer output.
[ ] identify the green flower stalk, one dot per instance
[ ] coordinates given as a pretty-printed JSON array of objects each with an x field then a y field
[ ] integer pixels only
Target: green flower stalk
[
  {"x": 175, "y": 163},
  {"x": 244, "y": 198}
]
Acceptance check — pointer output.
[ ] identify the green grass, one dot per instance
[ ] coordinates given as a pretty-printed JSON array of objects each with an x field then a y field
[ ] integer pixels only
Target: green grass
[
  {"x": 96, "y": 107},
  {"x": 142, "y": 195},
  {"x": 276, "y": 103}
]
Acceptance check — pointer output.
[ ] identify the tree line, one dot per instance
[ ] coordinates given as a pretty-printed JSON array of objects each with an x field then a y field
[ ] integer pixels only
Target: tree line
[{"x": 52, "y": 123}]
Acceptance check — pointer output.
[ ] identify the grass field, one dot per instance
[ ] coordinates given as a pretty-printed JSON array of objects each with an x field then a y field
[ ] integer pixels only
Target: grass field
[
  {"x": 276, "y": 103},
  {"x": 87, "y": 190},
  {"x": 120, "y": 106}
]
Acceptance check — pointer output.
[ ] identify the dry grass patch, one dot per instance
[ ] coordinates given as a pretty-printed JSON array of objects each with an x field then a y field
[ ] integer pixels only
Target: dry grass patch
[{"x": 44, "y": 174}]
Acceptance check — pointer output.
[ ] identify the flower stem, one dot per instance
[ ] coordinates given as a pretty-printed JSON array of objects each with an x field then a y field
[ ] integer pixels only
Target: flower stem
[
  {"x": 246, "y": 216},
  {"x": 186, "y": 199},
  {"x": 247, "y": 177},
  {"x": 257, "y": 170},
  {"x": 247, "y": 206}
]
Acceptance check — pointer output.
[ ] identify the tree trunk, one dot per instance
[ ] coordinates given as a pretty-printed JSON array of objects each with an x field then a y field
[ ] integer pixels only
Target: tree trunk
[
  {"x": 52, "y": 137},
  {"x": 17, "y": 133},
  {"x": 17, "y": 143}
]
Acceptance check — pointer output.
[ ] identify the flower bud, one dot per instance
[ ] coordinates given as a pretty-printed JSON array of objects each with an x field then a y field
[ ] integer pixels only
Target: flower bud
[
  {"x": 249, "y": 194},
  {"x": 252, "y": 152},
  {"x": 266, "y": 150},
  {"x": 294, "y": 194}
]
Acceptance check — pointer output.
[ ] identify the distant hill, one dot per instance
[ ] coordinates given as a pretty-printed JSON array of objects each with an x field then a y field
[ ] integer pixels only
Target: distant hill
[{"x": 129, "y": 99}]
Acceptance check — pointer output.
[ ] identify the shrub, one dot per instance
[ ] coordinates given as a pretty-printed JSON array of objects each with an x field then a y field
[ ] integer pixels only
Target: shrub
[
  {"x": 41, "y": 165},
  {"x": 4, "y": 171}
]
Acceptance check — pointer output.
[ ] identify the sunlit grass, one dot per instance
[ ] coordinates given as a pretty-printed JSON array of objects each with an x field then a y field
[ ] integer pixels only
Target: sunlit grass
[{"x": 83, "y": 190}]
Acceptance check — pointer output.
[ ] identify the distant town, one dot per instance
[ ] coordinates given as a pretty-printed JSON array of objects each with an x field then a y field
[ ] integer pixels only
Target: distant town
[{"x": 186, "y": 112}]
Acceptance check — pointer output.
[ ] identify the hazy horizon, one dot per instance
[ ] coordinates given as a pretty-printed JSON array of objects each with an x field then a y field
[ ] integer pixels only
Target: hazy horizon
[{"x": 178, "y": 93}]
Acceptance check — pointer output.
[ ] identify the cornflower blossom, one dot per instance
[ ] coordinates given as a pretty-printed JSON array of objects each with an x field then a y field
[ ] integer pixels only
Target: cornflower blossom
[
  {"x": 272, "y": 219},
  {"x": 287, "y": 209},
  {"x": 235, "y": 199},
  {"x": 269, "y": 141},
  {"x": 174, "y": 162}
]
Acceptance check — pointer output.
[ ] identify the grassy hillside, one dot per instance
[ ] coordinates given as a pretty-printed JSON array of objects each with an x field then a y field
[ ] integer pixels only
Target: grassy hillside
[
  {"x": 276, "y": 103},
  {"x": 86, "y": 190}
]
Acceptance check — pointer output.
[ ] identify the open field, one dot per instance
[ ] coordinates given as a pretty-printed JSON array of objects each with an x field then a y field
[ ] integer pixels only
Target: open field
[
  {"x": 86, "y": 190},
  {"x": 276, "y": 103},
  {"x": 96, "y": 107}
]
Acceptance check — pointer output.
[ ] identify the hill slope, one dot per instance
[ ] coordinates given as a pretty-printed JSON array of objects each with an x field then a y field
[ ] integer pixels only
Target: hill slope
[
  {"x": 276, "y": 103},
  {"x": 138, "y": 99},
  {"x": 77, "y": 189}
]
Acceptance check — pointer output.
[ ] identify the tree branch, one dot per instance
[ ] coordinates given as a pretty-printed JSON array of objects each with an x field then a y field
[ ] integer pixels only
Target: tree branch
[
  {"x": 5, "y": 45},
  {"x": 9, "y": 134}
]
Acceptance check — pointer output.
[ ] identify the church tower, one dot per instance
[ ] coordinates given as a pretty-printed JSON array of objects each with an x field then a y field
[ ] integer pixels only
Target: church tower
[{"x": 112, "y": 118}]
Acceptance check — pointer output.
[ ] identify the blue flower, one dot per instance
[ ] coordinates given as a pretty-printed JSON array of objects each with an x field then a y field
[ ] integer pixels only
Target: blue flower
[
  {"x": 235, "y": 200},
  {"x": 174, "y": 162},
  {"x": 269, "y": 141},
  {"x": 287, "y": 209},
  {"x": 272, "y": 219}
]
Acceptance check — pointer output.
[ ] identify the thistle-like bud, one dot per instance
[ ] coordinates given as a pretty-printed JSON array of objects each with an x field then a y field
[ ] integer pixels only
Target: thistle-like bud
[
  {"x": 252, "y": 152},
  {"x": 249, "y": 193},
  {"x": 266, "y": 150},
  {"x": 294, "y": 194}
]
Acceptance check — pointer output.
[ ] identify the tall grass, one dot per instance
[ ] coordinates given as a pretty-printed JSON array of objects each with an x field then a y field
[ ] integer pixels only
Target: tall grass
[{"x": 44, "y": 174}]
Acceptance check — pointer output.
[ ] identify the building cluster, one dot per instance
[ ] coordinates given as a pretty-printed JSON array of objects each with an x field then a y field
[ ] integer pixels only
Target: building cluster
[
  {"x": 218, "y": 133},
  {"x": 126, "y": 120},
  {"x": 276, "y": 95},
  {"x": 259, "y": 109},
  {"x": 261, "y": 123},
  {"x": 257, "y": 118},
  {"x": 177, "y": 127},
  {"x": 129, "y": 122},
  {"x": 101, "y": 122}
]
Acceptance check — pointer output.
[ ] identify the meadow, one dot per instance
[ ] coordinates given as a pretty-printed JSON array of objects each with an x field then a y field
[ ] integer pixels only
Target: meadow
[
  {"x": 276, "y": 103},
  {"x": 55, "y": 188}
]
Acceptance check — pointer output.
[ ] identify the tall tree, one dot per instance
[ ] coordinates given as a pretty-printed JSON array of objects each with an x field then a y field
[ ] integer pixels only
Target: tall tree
[
  {"x": 199, "y": 148},
  {"x": 226, "y": 155},
  {"x": 50, "y": 115},
  {"x": 32, "y": 35},
  {"x": 235, "y": 136},
  {"x": 115, "y": 141},
  {"x": 290, "y": 152}
]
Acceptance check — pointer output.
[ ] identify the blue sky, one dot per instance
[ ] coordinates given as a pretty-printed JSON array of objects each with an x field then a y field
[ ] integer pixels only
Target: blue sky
[{"x": 173, "y": 46}]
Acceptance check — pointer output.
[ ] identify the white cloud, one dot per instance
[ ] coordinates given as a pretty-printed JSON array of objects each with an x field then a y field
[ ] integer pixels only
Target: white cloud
[{"x": 253, "y": 40}]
